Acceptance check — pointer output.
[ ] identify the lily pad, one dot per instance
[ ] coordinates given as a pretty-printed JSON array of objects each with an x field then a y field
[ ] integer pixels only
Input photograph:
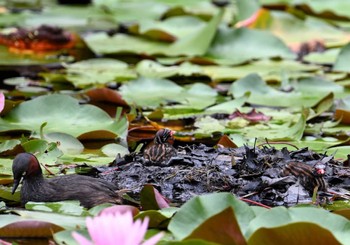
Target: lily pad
[
  {"x": 62, "y": 113},
  {"x": 281, "y": 218},
  {"x": 303, "y": 95},
  {"x": 196, "y": 43},
  {"x": 196, "y": 211},
  {"x": 98, "y": 71},
  {"x": 341, "y": 64},
  {"x": 150, "y": 92},
  {"x": 37, "y": 224},
  {"x": 236, "y": 46},
  {"x": 148, "y": 68}
]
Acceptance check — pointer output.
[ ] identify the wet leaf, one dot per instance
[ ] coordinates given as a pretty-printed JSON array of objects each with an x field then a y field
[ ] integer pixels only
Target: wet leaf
[
  {"x": 341, "y": 63},
  {"x": 63, "y": 114}
]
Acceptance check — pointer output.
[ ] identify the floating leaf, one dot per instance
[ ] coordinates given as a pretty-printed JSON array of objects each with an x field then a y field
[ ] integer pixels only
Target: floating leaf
[
  {"x": 65, "y": 142},
  {"x": 112, "y": 150},
  {"x": 196, "y": 43},
  {"x": 63, "y": 114},
  {"x": 267, "y": 69},
  {"x": 98, "y": 71},
  {"x": 63, "y": 207},
  {"x": 37, "y": 224},
  {"x": 221, "y": 228},
  {"x": 236, "y": 46},
  {"x": 148, "y": 68},
  {"x": 228, "y": 106},
  {"x": 304, "y": 94},
  {"x": 148, "y": 92},
  {"x": 199, "y": 209},
  {"x": 9, "y": 145},
  {"x": 342, "y": 64},
  {"x": 283, "y": 221}
]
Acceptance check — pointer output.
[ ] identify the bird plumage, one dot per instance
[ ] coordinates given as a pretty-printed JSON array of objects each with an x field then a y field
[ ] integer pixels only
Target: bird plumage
[
  {"x": 88, "y": 190},
  {"x": 162, "y": 149}
]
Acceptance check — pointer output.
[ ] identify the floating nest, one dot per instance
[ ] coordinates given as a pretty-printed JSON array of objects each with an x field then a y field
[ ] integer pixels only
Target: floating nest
[{"x": 254, "y": 174}]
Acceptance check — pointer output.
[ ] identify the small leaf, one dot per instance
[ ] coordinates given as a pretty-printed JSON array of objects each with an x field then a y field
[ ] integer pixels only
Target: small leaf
[
  {"x": 112, "y": 150},
  {"x": 151, "y": 199}
]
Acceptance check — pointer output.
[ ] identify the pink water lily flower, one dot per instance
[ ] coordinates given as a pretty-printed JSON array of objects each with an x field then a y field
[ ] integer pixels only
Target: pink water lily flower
[
  {"x": 2, "y": 101},
  {"x": 118, "y": 228}
]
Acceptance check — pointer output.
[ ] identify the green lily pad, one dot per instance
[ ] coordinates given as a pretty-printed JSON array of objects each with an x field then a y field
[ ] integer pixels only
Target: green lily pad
[
  {"x": 63, "y": 207},
  {"x": 148, "y": 92},
  {"x": 327, "y": 57},
  {"x": 98, "y": 71},
  {"x": 9, "y": 145},
  {"x": 112, "y": 150},
  {"x": 148, "y": 68},
  {"x": 37, "y": 224},
  {"x": 341, "y": 64},
  {"x": 199, "y": 209},
  {"x": 236, "y": 46},
  {"x": 267, "y": 69},
  {"x": 303, "y": 95},
  {"x": 282, "y": 222},
  {"x": 62, "y": 113},
  {"x": 196, "y": 43}
]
